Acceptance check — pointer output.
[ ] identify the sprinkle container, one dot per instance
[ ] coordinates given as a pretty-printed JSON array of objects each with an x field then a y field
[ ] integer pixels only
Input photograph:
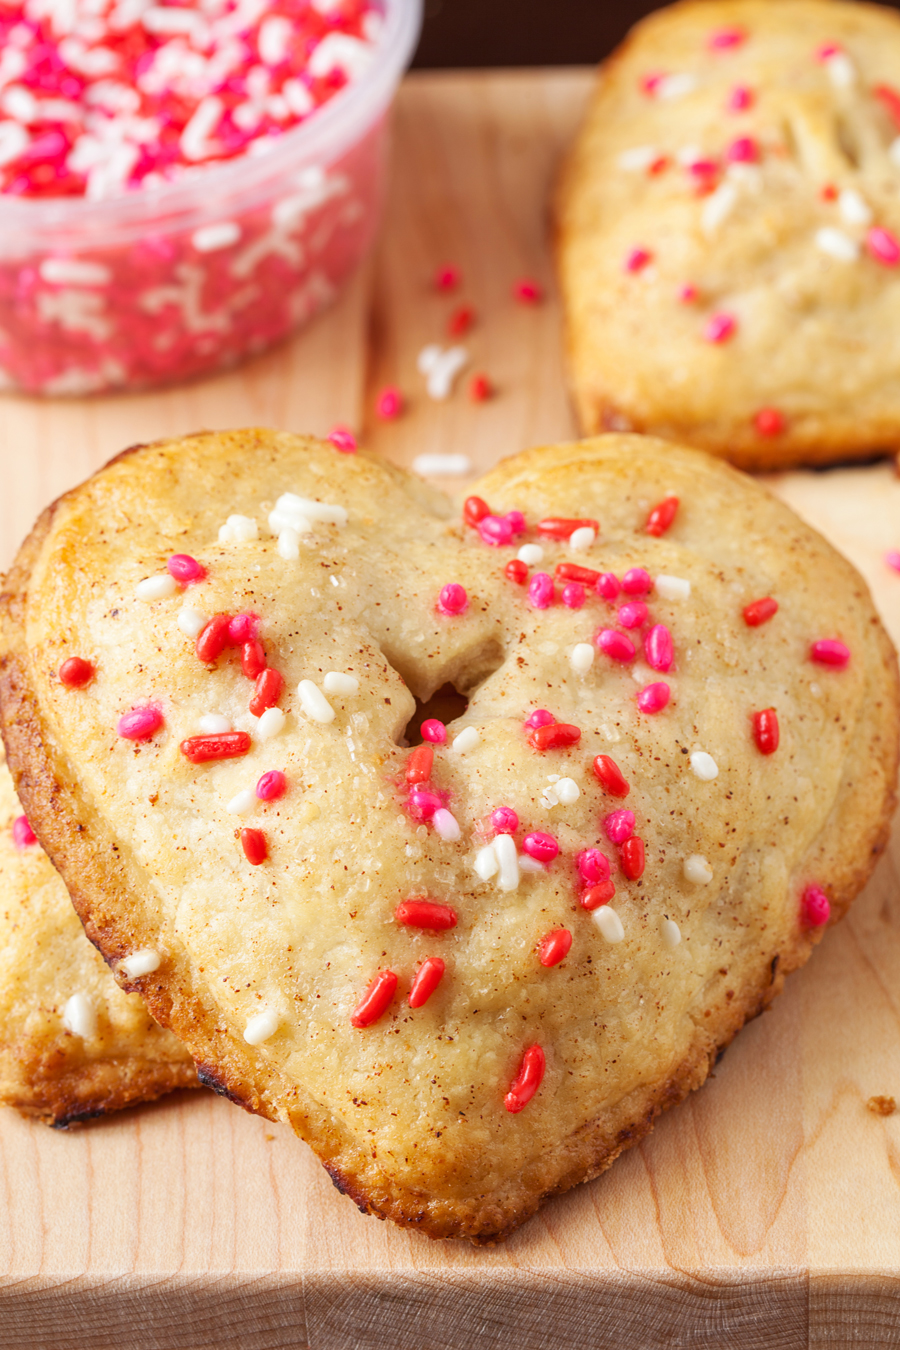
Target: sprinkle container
[{"x": 180, "y": 278}]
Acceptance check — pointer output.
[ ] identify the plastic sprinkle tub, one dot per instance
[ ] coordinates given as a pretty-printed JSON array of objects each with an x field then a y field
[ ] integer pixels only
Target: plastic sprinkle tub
[{"x": 191, "y": 269}]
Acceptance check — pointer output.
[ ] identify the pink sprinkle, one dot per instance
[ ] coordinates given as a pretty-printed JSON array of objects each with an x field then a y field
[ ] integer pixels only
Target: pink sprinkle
[
  {"x": 516, "y": 522},
  {"x": 540, "y": 718},
  {"x": 243, "y": 628},
  {"x": 423, "y": 804},
  {"x": 594, "y": 865},
  {"x": 453, "y": 599},
  {"x": 892, "y": 558},
  {"x": 724, "y": 38},
  {"x": 528, "y": 291},
  {"x": 659, "y": 648},
  {"x": 633, "y": 614},
  {"x": 740, "y": 99},
  {"x": 271, "y": 786},
  {"x": 505, "y": 820},
  {"x": 619, "y": 826},
  {"x": 185, "y": 569},
  {"x": 827, "y": 51},
  {"x": 608, "y": 586},
  {"x": 742, "y": 151},
  {"x": 650, "y": 83},
  {"x": 447, "y": 278},
  {"x": 495, "y": 530},
  {"x": 541, "y": 846},
  {"x": 342, "y": 439},
  {"x": 615, "y": 644},
  {"x": 637, "y": 581},
  {"x": 653, "y": 697},
  {"x": 638, "y": 259},
  {"x": 433, "y": 730},
  {"x": 140, "y": 724},
  {"x": 703, "y": 168},
  {"x": 815, "y": 909},
  {"x": 22, "y": 833},
  {"x": 829, "y": 652},
  {"x": 573, "y": 595},
  {"x": 687, "y": 294},
  {"x": 541, "y": 590},
  {"x": 883, "y": 246},
  {"x": 719, "y": 328},
  {"x": 389, "y": 403}
]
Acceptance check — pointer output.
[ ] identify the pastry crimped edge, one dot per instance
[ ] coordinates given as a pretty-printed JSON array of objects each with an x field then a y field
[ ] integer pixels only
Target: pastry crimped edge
[{"x": 88, "y": 858}]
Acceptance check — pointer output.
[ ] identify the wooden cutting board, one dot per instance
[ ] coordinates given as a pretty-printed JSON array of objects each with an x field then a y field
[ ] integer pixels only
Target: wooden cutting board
[{"x": 762, "y": 1213}]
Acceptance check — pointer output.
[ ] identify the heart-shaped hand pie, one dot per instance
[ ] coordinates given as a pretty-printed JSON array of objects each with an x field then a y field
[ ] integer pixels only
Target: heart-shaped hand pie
[
  {"x": 469, "y": 972},
  {"x": 72, "y": 1045}
]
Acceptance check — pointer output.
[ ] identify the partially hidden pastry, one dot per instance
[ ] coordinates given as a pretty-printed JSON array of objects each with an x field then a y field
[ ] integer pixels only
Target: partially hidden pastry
[
  {"x": 728, "y": 233},
  {"x": 471, "y": 970},
  {"x": 72, "y": 1044}
]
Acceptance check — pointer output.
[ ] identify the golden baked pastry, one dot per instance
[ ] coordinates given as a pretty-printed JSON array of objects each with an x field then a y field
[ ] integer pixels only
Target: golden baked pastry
[
  {"x": 72, "y": 1044},
  {"x": 472, "y": 971},
  {"x": 728, "y": 233}
]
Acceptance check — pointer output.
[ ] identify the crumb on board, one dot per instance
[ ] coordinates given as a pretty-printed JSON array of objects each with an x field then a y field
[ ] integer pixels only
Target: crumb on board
[{"x": 881, "y": 1106}]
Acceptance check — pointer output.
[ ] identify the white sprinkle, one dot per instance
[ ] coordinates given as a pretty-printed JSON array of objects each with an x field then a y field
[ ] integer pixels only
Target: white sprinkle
[
  {"x": 214, "y": 724},
  {"x": 638, "y": 159},
  {"x": 279, "y": 521},
  {"x": 337, "y": 682},
  {"x": 746, "y": 176},
  {"x": 243, "y": 803},
  {"x": 582, "y": 538},
  {"x": 261, "y": 1027},
  {"x": 428, "y": 358},
  {"x": 442, "y": 466},
  {"x": 143, "y": 962},
  {"x": 567, "y": 791},
  {"x": 486, "y": 862},
  {"x": 156, "y": 588},
  {"x": 274, "y": 40},
  {"x": 704, "y": 766},
  {"x": 80, "y": 1017},
  {"x": 837, "y": 244},
  {"x": 191, "y": 622},
  {"x": 14, "y": 140},
  {"x": 671, "y": 934},
  {"x": 314, "y": 703},
  {"x": 446, "y": 825},
  {"x": 688, "y": 155},
  {"x": 340, "y": 51},
  {"x": 609, "y": 923},
  {"x": 894, "y": 152},
  {"x": 549, "y": 798},
  {"x": 531, "y": 554},
  {"x": 165, "y": 19},
  {"x": 300, "y": 101},
  {"x": 675, "y": 86},
  {"x": 441, "y": 369},
  {"x": 529, "y": 864},
  {"x": 288, "y": 544},
  {"x": 582, "y": 657},
  {"x": 206, "y": 117},
  {"x": 467, "y": 739},
  {"x": 270, "y": 724},
  {"x": 841, "y": 70},
  {"x": 853, "y": 208},
  {"x": 672, "y": 588},
  {"x": 71, "y": 272},
  {"x": 507, "y": 861},
  {"x": 306, "y": 509},
  {"x": 213, "y": 237},
  {"x": 697, "y": 870},
  {"x": 717, "y": 207},
  {"x": 238, "y": 530}
]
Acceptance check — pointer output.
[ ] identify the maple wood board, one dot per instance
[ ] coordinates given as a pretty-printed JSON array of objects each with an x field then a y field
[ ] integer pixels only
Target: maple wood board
[{"x": 763, "y": 1213}]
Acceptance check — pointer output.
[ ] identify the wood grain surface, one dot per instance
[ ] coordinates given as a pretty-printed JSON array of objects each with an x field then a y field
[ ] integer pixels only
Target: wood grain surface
[{"x": 764, "y": 1213}]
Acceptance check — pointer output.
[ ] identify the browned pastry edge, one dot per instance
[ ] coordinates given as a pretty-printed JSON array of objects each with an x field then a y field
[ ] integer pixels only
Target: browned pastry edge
[
  {"x": 87, "y": 856},
  {"x": 93, "y": 1090}
]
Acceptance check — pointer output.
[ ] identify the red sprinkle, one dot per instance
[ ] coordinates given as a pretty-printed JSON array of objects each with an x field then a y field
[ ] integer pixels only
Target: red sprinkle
[
  {"x": 474, "y": 510},
  {"x": 343, "y": 439},
  {"x": 720, "y": 328},
  {"x": 434, "y": 730},
  {"x": 654, "y": 697},
  {"x": 891, "y": 100},
  {"x": 770, "y": 422},
  {"x": 610, "y": 776},
  {"x": 271, "y": 786},
  {"x": 829, "y": 193},
  {"x": 830, "y": 652},
  {"x": 253, "y": 659},
  {"x": 725, "y": 38},
  {"x": 661, "y": 517},
  {"x": 632, "y": 857},
  {"x": 224, "y": 745},
  {"x": 376, "y": 1000},
  {"x": 253, "y": 842},
  {"x": 516, "y": 571},
  {"x": 480, "y": 388},
  {"x": 22, "y": 833},
  {"x": 637, "y": 260},
  {"x": 213, "y": 638},
  {"x": 554, "y": 736},
  {"x": 615, "y": 644},
  {"x": 75, "y": 672},
  {"x": 427, "y": 979},
  {"x": 687, "y": 294},
  {"x": 267, "y": 692},
  {"x": 140, "y": 724},
  {"x": 883, "y": 246},
  {"x": 659, "y": 165},
  {"x": 243, "y": 628},
  {"x": 541, "y": 846},
  {"x": 447, "y": 278},
  {"x": 528, "y": 292},
  {"x": 598, "y": 895},
  {"x": 760, "y": 611},
  {"x": 555, "y": 947},
  {"x": 460, "y": 321},
  {"x": 527, "y": 1081},
  {"x": 420, "y": 764},
  {"x": 815, "y": 909},
  {"x": 185, "y": 569},
  {"x": 566, "y": 571},
  {"x": 505, "y": 820},
  {"x": 637, "y": 581},
  {"x": 556, "y": 527},
  {"x": 453, "y": 599},
  {"x": 765, "y": 731},
  {"x": 740, "y": 99},
  {"x": 389, "y": 404},
  {"x": 425, "y": 914}
]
